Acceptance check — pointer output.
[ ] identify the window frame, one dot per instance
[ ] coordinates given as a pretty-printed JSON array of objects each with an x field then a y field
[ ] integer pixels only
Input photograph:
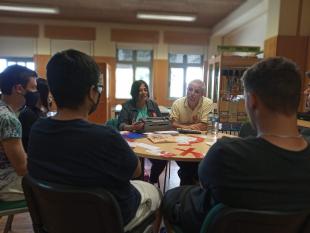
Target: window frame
[
  {"x": 135, "y": 63},
  {"x": 19, "y": 59},
  {"x": 183, "y": 65}
]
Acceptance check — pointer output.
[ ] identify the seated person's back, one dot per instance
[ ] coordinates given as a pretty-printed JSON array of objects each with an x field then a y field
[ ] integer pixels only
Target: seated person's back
[
  {"x": 80, "y": 153},
  {"x": 267, "y": 172},
  {"x": 255, "y": 174},
  {"x": 68, "y": 149}
]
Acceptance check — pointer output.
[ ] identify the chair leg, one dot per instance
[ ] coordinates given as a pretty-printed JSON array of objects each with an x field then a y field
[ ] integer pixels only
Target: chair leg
[
  {"x": 165, "y": 178},
  {"x": 169, "y": 164},
  {"x": 8, "y": 225}
]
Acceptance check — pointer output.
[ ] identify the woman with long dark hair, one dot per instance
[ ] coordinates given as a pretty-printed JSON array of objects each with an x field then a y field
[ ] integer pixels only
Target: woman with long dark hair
[
  {"x": 36, "y": 106},
  {"x": 132, "y": 115}
]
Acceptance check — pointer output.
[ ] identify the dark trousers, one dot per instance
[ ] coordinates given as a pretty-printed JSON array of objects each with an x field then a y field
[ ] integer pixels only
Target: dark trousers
[
  {"x": 157, "y": 167},
  {"x": 186, "y": 207},
  {"x": 188, "y": 172}
]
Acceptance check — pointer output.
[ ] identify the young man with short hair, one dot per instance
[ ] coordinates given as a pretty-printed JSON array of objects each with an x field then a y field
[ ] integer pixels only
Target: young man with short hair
[
  {"x": 68, "y": 149},
  {"x": 14, "y": 82},
  {"x": 267, "y": 172}
]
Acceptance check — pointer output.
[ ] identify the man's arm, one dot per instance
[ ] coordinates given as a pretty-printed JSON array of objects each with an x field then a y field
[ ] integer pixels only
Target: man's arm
[
  {"x": 197, "y": 126},
  {"x": 176, "y": 125},
  {"x": 15, "y": 152},
  {"x": 207, "y": 107}
]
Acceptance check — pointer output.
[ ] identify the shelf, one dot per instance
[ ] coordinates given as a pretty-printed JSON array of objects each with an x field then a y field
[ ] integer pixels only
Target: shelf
[{"x": 224, "y": 86}]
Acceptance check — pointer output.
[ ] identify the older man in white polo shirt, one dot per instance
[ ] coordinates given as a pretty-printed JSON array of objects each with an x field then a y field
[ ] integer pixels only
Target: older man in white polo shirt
[{"x": 191, "y": 112}]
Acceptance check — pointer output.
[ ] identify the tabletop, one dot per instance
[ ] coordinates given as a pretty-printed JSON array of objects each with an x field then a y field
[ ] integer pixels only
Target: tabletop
[
  {"x": 303, "y": 123},
  {"x": 183, "y": 147}
]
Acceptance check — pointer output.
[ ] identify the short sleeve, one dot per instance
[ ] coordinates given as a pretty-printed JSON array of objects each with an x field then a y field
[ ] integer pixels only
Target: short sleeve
[
  {"x": 175, "y": 112},
  {"x": 126, "y": 160},
  {"x": 207, "y": 107},
  {"x": 211, "y": 167},
  {"x": 10, "y": 127}
]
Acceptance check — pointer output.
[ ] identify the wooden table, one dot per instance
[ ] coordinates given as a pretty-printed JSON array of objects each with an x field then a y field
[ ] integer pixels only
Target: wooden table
[
  {"x": 303, "y": 123},
  {"x": 194, "y": 151}
]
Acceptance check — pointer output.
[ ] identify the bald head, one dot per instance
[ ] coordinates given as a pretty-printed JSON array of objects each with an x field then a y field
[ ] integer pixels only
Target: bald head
[
  {"x": 199, "y": 84},
  {"x": 195, "y": 91}
]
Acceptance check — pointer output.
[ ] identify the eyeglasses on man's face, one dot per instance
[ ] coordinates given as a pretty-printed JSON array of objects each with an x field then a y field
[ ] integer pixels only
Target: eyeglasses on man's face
[{"x": 99, "y": 88}]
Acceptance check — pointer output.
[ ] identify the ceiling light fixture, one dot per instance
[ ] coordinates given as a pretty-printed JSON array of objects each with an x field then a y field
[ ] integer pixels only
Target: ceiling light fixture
[
  {"x": 166, "y": 17},
  {"x": 28, "y": 9}
]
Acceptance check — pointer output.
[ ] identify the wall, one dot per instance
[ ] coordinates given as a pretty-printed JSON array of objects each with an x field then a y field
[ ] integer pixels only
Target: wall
[
  {"x": 290, "y": 35},
  {"x": 273, "y": 17},
  {"x": 288, "y": 18},
  {"x": 103, "y": 46},
  {"x": 245, "y": 26},
  {"x": 249, "y": 34},
  {"x": 305, "y": 19}
]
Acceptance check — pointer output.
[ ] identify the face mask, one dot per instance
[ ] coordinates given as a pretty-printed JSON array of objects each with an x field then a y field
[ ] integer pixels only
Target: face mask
[
  {"x": 32, "y": 98},
  {"x": 94, "y": 107}
]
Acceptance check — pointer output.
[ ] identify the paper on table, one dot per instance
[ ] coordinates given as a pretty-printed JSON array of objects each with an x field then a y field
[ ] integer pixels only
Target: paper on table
[
  {"x": 185, "y": 139},
  {"x": 132, "y": 144},
  {"x": 171, "y": 132},
  {"x": 210, "y": 143},
  {"x": 154, "y": 152},
  {"x": 150, "y": 149},
  {"x": 147, "y": 147}
]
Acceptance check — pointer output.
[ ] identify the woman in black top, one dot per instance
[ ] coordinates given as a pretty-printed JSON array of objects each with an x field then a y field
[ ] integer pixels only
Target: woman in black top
[
  {"x": 36, "y": 106},
  {"x": 132, "y": 115}
]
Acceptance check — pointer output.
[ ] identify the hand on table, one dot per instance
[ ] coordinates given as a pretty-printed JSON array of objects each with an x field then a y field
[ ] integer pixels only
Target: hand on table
[{"x": 137, "y": 125}]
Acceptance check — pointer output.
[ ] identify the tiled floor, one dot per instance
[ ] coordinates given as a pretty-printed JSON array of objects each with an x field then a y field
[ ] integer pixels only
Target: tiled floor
[{"x": 22, "y": 222}]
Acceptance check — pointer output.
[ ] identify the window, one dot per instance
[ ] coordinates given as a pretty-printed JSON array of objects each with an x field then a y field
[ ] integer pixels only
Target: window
[
  {"x": 5, "y": 62},
  {"x": 183, "y": 68},
  {"x": 132, "y": 65}
]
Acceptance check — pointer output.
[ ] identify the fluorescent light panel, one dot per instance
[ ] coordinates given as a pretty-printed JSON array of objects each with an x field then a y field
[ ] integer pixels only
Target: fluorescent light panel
[
  {"x": 167, "y": 17},
  {"x": 28, "y": 9}
]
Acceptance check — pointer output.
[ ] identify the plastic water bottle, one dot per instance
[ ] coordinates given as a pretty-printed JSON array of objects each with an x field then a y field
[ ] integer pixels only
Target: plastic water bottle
[{"x": 215, "y": 124}]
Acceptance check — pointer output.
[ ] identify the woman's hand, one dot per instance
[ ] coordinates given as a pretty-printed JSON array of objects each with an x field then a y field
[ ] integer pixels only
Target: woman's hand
[{"x": 137, "y": 125}]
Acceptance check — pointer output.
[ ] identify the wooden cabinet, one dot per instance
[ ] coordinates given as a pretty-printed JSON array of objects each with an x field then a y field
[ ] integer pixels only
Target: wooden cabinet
[{"x": 224, "y": 87}]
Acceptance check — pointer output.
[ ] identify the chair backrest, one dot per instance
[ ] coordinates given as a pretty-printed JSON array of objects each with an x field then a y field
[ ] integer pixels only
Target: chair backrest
[
  {"x": 223, "y": 219},
  {"x": 58, "y": 208}
]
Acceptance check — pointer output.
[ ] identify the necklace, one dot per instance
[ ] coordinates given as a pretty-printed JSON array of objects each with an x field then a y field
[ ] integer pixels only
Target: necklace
[{"x": 279, "y": 136}]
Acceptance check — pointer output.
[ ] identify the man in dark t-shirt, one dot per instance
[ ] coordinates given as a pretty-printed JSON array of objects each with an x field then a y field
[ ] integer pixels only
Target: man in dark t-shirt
[
  {"x": 267, "y": 172},
  {"x": 84, "y": 154},
  {"x": 68, "y": 149}
]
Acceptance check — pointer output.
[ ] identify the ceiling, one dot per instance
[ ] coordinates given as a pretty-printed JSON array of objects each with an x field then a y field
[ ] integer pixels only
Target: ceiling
[{"x": 209, "y": 12}]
